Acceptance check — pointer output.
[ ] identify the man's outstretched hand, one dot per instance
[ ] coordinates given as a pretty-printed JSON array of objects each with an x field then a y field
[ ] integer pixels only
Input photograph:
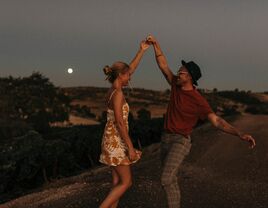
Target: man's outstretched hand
[{"x": 250, "y": 139}]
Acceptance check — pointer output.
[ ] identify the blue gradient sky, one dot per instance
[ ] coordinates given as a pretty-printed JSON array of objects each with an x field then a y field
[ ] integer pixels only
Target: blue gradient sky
[{"x": 228, "y": 39}]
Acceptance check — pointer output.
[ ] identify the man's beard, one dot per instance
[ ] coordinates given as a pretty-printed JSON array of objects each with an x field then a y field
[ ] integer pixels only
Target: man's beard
[{"x": 179, "y": 82}]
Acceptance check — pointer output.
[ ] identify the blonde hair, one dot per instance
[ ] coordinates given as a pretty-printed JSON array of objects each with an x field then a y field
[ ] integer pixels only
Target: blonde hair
[{"x": 112, "y": 72}]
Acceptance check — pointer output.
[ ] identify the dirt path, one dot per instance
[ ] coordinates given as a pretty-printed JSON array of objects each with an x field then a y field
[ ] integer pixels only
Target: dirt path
[{"x": 221, "y": 171}]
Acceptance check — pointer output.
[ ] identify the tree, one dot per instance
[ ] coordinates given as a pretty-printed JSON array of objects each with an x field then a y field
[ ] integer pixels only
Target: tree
[
  {"x": 103, "y": 118},
  {"x": 144, "y": 114},
  {"x": 33, "y": 99},
  {"x": 167, "y": 91},
  {"x": 83, "y": 111}
]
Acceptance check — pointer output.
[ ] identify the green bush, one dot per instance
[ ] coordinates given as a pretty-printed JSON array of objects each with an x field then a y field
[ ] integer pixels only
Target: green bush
[
  {"x": 144, "y": 115},
  {"x": 20, "y": 160},
  {"x": 257, "y": 109},
  {"x": 33, "y": 99},
  {"x": 240, "y": 96}
]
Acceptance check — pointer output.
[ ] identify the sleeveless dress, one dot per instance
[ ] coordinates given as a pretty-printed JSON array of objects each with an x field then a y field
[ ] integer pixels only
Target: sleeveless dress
[{"x": 114, "y": 150}]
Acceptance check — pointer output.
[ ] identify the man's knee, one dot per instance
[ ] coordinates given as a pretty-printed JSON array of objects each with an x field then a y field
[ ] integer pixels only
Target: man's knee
[{"x": 166, "y": 180}]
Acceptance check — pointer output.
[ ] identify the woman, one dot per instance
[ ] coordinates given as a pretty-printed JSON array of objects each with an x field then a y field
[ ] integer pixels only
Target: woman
[{"x": 117, "y": 149}]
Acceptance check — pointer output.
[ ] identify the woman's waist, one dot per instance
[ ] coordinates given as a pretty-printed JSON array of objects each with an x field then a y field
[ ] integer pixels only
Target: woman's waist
[
  {"x": 112, "y": 119},
  {"x": 114, "y": 122}
]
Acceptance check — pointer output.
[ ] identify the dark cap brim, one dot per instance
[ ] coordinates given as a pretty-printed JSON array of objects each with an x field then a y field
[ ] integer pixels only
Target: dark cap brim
[{"x": 183, "y": 62}]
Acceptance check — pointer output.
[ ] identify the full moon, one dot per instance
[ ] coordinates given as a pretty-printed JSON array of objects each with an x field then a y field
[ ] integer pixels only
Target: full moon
[{"x": 70, "y": 70}]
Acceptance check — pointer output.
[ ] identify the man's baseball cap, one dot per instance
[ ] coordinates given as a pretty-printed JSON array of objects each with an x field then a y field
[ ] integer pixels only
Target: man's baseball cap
[{"x": 193, "y": 69}]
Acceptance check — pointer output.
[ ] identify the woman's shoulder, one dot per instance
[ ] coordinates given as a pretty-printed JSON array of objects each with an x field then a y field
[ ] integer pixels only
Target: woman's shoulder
[{"x": 117, "y": 95}]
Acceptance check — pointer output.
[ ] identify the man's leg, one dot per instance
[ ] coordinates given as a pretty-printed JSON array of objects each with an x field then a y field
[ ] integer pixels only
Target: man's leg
[{"x": 173, "y": 154}]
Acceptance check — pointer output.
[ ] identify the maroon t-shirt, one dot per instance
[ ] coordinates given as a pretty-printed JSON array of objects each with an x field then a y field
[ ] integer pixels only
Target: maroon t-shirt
[{"x": 184, "y": 109}]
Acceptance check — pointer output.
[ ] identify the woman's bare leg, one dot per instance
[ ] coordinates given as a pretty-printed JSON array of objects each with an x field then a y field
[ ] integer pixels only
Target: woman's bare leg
[
  {"x": 115, "y": 182},
  {"x": 125, "y": 182}
]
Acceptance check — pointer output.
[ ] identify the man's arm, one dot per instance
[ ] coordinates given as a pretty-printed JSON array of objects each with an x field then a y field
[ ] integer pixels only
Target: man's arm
[
  {"x": 135, "y": 62},
  {"x": 161, "y": 59},
  {"x": 223, "y": 125}
]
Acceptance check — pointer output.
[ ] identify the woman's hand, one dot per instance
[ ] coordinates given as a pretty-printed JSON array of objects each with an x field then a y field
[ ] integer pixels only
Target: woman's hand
[
  {"x": 132, "y": 154},
  {"x": 144, "y": 45}
]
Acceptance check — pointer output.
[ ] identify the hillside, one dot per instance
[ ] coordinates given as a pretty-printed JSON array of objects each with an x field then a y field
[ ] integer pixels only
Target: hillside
[
  {"x": 92, "y": 98},
  {"x": 221, "y": 171}
]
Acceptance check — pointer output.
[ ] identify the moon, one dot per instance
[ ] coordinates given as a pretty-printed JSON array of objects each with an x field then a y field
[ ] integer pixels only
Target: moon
[{"x": 70, "y": 70}]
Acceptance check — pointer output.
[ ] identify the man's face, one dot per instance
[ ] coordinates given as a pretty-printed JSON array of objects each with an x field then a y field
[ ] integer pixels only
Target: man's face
[{"x": 183, "y": 76}]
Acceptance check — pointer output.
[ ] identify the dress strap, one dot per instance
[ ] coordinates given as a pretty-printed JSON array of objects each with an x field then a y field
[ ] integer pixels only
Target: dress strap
[{"x": 111, "y": 96}]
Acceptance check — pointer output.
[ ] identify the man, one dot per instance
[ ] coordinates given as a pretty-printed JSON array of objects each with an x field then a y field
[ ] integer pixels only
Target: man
[{"x": 185, "y": 108}]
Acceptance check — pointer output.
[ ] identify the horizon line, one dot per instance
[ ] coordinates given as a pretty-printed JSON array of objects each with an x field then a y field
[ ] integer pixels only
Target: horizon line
[{"x": 142, "y": 88}]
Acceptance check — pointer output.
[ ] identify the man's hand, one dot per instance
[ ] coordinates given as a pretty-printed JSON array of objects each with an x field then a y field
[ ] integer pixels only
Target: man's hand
[
  {"x": 223, "y": 125},
  {"x": 160, "y": 59},
  {"x": 248, "y": 138},
  {"x": 151, "y": 39}
]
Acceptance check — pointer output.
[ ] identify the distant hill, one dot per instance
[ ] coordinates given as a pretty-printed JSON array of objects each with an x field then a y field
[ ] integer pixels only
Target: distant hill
[
  {"x": 94, "y": 99},
  {"x": 222, "y": 102}
]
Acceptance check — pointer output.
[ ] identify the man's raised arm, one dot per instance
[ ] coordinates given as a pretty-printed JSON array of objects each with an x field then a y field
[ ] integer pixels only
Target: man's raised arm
[{"x": 161, "y": 59}]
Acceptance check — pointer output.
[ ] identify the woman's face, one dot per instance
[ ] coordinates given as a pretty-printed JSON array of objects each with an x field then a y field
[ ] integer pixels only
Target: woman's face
[{"x": 125, "y": 77}]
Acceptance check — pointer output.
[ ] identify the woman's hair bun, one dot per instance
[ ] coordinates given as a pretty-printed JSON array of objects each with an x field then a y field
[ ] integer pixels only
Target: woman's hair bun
[{"x": 107, "y": 70}]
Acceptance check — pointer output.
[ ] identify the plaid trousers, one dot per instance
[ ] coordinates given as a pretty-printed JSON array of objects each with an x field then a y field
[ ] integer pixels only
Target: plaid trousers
[{"x": 174, "y": 148}]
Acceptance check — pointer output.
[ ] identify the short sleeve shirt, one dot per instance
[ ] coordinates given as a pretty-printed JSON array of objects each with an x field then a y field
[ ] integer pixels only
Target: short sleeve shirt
[{"x": 185, "y": 108}]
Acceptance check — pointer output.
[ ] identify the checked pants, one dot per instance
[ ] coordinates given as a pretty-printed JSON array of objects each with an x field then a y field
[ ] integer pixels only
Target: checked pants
[{"x": 174, "y": 148}]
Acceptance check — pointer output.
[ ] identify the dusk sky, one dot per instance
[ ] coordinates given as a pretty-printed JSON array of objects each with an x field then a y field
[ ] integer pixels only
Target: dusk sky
[{"x": 228, "y": 39}]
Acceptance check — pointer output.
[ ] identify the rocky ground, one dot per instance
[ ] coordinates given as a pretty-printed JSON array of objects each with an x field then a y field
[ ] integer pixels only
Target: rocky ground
[{"x": 221, "y": 171}]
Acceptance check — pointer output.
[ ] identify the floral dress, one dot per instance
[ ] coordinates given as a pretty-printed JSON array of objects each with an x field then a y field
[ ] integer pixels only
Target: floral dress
[{"x": 114, "y": 150}]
